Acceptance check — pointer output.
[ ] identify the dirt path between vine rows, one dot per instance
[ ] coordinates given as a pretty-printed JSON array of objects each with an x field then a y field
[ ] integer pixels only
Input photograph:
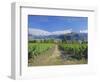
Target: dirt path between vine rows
[
  {"x": 53, "y": 59},
  {"x": 56, "y": 52}
]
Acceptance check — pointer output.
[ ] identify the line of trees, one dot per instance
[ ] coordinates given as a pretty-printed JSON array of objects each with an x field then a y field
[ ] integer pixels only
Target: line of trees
[
  {"x": 42, "y": 41},
  {"x": 59, "y": 41}
]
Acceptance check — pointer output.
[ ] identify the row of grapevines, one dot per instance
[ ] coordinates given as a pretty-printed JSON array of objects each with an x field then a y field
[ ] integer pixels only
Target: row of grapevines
[
  {"x": 78, "y": 50},
  {"x": 35, "y": 49}
]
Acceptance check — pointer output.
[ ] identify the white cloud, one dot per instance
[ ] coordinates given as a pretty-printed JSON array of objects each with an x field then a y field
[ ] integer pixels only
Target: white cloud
[
  {"x": 38, "y": 32},
  {"x": 83, "y": 31},
  {"x": 62, "y": 32}
]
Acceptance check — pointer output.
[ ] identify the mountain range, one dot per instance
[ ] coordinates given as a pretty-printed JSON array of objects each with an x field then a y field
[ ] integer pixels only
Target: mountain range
[{"x": 68, "y": 34}]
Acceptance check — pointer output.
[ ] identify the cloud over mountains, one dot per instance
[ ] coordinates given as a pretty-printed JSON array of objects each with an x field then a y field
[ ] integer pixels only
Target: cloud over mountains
[
  {"x": 39, "y": 32},
  {"x": 83, "y": 31}
]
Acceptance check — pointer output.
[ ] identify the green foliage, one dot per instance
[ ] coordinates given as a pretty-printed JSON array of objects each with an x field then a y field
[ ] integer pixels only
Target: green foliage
[
  {"x": 42, "y": 41},
  {"x": 35, "y": 49},
  {"x": 78, "y": 50}
]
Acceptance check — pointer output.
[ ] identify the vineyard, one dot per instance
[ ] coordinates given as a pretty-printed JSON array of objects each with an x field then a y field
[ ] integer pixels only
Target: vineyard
[
  {"x": 57, "y": 54},
  {"x": 77, "y": 51},
  {"x": 36, "y": 49},
  {"x": 60, "y": 40}
]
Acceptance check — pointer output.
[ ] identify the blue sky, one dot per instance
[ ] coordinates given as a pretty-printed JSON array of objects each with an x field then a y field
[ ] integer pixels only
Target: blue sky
[{"x": 57, "y": 23}]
